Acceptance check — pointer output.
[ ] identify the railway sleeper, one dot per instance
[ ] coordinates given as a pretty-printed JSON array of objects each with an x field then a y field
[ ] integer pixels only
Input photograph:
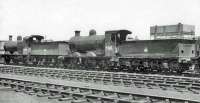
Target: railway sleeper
[{"x": 80, "y": 97}]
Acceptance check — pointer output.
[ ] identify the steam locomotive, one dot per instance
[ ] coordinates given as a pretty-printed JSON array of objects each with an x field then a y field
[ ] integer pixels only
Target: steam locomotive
[{"x": 109, "y": 52}]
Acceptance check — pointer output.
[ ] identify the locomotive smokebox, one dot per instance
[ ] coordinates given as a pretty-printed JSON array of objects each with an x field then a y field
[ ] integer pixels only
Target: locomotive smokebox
[
  {"x": 77, "y": 32},
  {"x": 10, "y": 46}
]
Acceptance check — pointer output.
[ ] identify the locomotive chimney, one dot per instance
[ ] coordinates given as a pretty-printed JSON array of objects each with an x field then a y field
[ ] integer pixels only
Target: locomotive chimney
[
  {"x": 19, "y": 38},
  {"x": 77, "y": 33},
  {"x": 10, "y": 37}
]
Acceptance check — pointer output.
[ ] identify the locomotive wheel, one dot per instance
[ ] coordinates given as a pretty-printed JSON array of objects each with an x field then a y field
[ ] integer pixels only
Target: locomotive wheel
[{"x": 7, "y": 59}]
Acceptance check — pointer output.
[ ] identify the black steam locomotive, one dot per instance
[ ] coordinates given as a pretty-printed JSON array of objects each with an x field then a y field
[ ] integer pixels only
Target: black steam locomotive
[{"x": 109, "y": 52}]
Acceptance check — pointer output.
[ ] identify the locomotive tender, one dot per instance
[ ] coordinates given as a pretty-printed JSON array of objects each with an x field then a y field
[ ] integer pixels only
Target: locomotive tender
[{"x": 111, "y": 52}]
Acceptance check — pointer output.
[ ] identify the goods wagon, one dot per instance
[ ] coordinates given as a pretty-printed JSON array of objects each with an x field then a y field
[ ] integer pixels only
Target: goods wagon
[{"x": 178, "y": 31}]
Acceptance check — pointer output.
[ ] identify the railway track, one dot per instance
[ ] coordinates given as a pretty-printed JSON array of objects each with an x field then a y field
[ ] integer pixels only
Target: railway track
[{"x": 104, "y": 87}]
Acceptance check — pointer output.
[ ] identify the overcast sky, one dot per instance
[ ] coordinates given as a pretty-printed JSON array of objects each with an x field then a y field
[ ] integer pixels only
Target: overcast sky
[{"x": 57, "y": 19}]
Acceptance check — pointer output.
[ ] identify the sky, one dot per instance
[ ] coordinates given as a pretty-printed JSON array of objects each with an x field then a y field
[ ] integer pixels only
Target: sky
[{"x": 58, "y": 19}]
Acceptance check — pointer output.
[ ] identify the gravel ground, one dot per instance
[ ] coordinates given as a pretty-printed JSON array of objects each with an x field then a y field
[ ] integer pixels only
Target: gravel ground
[{"x": 9, "y": 96}]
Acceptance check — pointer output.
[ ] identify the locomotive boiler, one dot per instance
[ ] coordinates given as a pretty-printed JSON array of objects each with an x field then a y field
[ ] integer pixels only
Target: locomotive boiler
[{"x": 92, "y": 45}]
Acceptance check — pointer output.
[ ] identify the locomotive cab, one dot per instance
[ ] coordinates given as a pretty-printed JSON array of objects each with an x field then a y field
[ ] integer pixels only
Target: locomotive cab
[
  {"x": 33, "y": 39},
  {"x": 113, "y": 39},
  {"x": 29, "y": 40}
]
